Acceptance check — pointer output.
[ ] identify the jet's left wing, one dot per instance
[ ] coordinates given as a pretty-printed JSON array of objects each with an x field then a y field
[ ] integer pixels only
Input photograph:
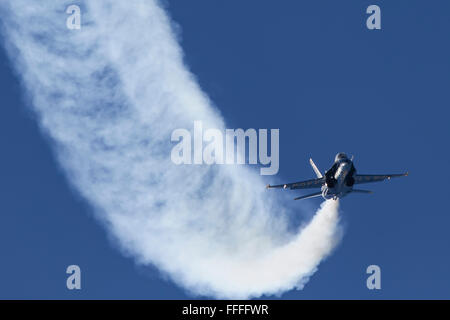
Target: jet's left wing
[
  {"x": 365, "y": 178},
  {"x": 313, "y": 183}
]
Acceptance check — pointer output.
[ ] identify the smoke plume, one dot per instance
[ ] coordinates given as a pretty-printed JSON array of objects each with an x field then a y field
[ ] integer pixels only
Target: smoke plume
[{"x": 108, "y": 97}]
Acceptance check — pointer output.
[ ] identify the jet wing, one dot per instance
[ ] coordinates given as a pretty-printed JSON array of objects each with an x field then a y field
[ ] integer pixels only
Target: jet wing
[
  {"x": 313, "y": 183},
  {"x": 365, "y": 178}
]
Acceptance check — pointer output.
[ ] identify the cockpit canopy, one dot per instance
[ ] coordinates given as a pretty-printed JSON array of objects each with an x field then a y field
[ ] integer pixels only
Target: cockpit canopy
[{"x": 340, "y": 156}]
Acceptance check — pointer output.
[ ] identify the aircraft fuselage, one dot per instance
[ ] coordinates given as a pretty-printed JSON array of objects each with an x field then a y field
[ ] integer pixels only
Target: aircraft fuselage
[{"x": 339, "y": 179}]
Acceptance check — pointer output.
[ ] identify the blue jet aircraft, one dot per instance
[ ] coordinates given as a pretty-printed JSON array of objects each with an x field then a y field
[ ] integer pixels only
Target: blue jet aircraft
[{"x": 338, "y": 181}]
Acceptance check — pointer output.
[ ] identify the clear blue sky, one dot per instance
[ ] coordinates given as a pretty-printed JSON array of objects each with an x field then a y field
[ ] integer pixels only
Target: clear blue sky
[{"x": 310, "y": 68}]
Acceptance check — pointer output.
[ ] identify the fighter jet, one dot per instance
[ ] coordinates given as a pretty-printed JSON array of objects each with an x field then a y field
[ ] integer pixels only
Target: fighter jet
[{"x": 338, "y": 181}]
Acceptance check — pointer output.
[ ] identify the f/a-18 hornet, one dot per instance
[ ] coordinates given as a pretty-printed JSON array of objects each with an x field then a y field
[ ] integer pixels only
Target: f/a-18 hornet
[{"x": 338, "y": 181}]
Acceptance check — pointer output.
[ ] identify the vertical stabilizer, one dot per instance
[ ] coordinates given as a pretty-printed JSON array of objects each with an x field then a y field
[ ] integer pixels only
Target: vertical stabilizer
[{"x": 313, "y": 165}]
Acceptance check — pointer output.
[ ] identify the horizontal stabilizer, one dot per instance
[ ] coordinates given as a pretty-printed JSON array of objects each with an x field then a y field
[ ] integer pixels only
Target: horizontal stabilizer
[{"x": 312, "y": 195}]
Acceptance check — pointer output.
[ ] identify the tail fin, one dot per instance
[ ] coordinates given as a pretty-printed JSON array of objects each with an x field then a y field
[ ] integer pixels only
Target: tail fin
[{"x": 313, "y": 165}]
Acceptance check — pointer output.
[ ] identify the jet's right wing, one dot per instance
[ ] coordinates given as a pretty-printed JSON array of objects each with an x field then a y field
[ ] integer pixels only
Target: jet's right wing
[
  {"x": 313, "y": 183},
  {"x": 365, "y": 178}
]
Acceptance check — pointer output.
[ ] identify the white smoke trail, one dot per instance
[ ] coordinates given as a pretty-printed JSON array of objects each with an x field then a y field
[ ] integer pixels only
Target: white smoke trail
[{"x": 109, "y": 96}]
